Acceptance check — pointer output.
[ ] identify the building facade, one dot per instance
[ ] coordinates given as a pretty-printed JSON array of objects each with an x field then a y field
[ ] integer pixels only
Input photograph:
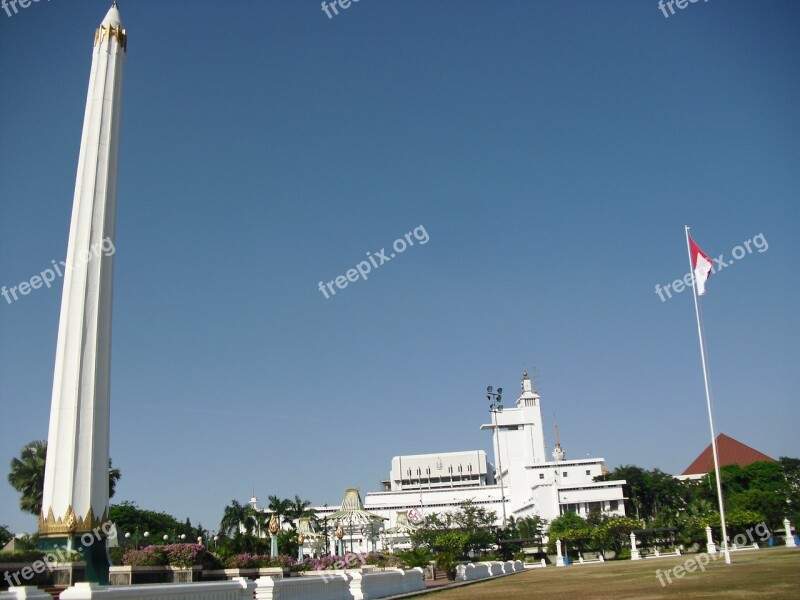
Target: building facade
[{"x": 522, "y": 482}]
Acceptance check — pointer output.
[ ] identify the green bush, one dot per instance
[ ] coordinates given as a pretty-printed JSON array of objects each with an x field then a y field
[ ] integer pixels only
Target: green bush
[
  {"x": 418, "y": 557},
  {"x": 116, "y": 554},
  {"x": 211, "y": 562},
  {"x": 21, "y": 556},
  {"x": 31, "y": 556}
]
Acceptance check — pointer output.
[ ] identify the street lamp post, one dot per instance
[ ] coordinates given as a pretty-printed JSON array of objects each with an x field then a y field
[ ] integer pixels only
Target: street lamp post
[
  {"x": 351, "y": 534},
  {"x": 327, "y": 537},
  {"x": 495, "y": 407},
  {"x": 135, "y": 537}
]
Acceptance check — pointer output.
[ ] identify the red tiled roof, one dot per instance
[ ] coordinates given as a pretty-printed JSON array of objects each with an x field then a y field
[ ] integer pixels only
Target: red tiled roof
[{"x": 731, "y": 452}]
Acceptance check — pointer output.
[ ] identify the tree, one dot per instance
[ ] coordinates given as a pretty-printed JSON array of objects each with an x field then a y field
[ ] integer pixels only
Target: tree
[
  {"x": 129, "y": 518},
  {"x": 771, "y": 506},
  {"x": 571, "y": 529},
  {"x": 235, "y": 517},
  {"x": 649, "y": 493},
  {"x": 279, "y": 507},
  {"x": 298, "y": 508},
  {"x": 27, "y": 476},
  {"x": 791, "y": 470},
  {"x": 614, "y": 533},
  {"x": 452, "y": 535},
  {"x": 287, "y": 543},
  {"x": 532, "y": 528},
  {"x": 5, "y": 535},
  {"x": 114, "y": 475},
  {"x": 739, "y": 520}
]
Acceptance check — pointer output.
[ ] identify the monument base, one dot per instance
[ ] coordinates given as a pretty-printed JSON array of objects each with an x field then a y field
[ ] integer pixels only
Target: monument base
[{"x": 92, "y": 547}]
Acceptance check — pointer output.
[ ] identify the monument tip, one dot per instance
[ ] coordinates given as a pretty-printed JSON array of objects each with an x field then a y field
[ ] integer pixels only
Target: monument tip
[{"x": 112, "y": 17}]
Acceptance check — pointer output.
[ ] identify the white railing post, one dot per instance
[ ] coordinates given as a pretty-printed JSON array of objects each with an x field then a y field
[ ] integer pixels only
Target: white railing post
[{"x": 634, "y": 550}]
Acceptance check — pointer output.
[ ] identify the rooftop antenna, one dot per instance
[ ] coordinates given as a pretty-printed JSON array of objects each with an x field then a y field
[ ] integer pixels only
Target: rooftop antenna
[{"x": 558, "y": 452}]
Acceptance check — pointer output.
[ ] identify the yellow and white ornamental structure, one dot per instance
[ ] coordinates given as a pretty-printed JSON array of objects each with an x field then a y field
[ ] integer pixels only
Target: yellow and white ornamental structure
[{"x": 75, "y": 500}]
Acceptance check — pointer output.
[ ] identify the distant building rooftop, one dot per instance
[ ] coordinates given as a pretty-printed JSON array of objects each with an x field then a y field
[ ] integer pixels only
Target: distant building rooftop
[{"x": 731, "y": 452}]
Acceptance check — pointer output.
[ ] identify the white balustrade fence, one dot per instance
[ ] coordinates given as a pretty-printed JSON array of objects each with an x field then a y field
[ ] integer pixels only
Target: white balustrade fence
[
  {"x": 482, "y": 570},
  {"x": 237, "y": 589},
  {"x": 353, "y": 585},
  {"x": 22, "y": 592},
  {"x": 319, "y": 587}
]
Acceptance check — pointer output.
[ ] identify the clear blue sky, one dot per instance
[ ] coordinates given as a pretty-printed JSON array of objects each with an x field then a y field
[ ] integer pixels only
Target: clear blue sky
[{"x": 553, "y": 152}]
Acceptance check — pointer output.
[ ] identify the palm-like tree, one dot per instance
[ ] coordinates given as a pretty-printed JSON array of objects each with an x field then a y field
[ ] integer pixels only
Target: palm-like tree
[
  {"x": 27, "y": 476},
  {"x": 281, "y": 508},
  {"x": 700, "y": 507},
  {"x": 114, "y": 475},
  {"x": 261, "y": 522},
  {"x": 530, "y": 527},
  {"x": 5, "y": 535},
  {"x": 298, "y": 508},
  {"x": 237, "y": 516}
]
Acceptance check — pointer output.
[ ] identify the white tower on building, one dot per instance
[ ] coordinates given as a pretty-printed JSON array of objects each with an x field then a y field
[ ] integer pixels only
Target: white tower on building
[
  {"x": 518, "y": 433},
  {"x": 558, "y": 453},
  {"x": 75, "y": 499}
]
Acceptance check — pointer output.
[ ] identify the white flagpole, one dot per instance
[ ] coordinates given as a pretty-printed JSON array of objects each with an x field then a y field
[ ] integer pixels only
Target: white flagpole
[{"x": 708, "y": 403}]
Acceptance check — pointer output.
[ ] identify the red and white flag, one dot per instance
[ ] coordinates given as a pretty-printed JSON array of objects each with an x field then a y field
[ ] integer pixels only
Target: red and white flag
[{"x": 701, "y": 265}]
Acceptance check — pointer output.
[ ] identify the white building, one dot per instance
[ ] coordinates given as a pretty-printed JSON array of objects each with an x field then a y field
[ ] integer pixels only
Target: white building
[{"x": 524, "y": 482}]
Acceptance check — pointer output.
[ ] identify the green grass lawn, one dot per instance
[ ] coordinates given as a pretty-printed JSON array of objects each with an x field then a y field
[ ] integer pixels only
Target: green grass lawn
[{"x": 765, "y": 573}]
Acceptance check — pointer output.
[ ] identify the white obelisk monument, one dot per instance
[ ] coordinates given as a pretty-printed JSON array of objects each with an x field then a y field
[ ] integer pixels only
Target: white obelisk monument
[{"x": 75, "y": 501}]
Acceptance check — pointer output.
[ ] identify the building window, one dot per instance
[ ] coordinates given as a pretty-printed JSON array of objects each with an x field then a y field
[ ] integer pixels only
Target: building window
[
  {"x": 564, "y": 474},
  {"x": 588, "y": 472},
  {"x": 541, "y": 475},
  {"x": 613, "y": 505}
]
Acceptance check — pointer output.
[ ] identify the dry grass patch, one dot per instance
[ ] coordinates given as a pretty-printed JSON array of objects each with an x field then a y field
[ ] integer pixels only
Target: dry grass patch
[{"x": 766, "y": 573}]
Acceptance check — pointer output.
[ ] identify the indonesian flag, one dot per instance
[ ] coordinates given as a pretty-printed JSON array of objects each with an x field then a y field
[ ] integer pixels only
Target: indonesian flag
[{"x": 701, "y": 265}]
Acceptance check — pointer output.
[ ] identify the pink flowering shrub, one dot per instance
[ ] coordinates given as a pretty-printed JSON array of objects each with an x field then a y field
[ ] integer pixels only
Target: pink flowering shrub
[
  {"x": 243, "y": 561},
  {"x": 149, "y": 556},
  {"x": 184, "y": 555}
]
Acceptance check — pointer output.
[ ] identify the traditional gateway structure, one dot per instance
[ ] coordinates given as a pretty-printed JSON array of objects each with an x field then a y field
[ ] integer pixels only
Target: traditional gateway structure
[{"x": 525, "y": 484}]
